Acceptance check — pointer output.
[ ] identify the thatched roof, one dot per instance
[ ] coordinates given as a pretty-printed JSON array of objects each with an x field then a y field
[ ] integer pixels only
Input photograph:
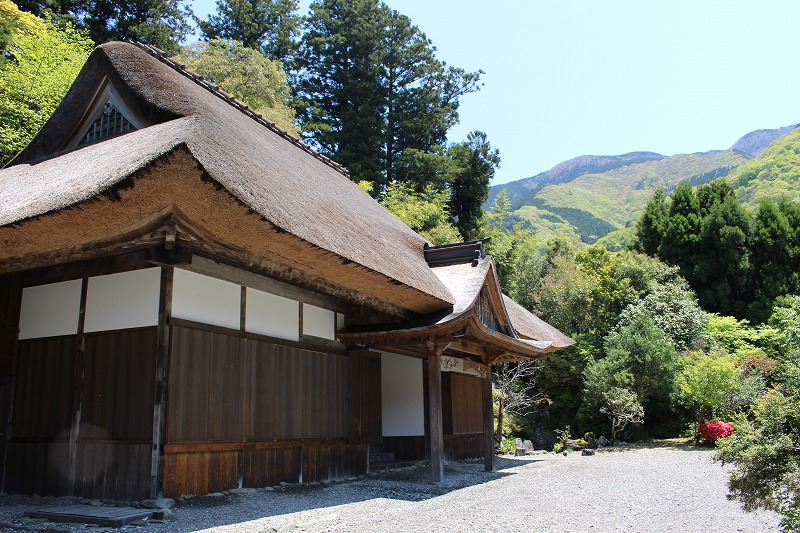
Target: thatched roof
[
  {"x": 271, "y": 174},
  {"x": 473, "y": 283}
]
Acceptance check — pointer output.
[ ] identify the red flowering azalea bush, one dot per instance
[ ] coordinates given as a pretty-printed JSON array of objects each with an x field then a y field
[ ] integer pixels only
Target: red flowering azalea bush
[{"x": 713, "y": 430}]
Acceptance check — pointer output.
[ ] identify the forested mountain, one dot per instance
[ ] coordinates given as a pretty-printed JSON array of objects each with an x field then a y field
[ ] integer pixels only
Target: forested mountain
[
  {"x": 594, "y": 197},
  {"x": 522, "y": 191}
]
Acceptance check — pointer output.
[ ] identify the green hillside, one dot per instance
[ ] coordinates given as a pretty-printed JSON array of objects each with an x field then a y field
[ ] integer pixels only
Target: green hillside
[
  {"x": 774, "y": 173},
  {"x": 594, "y": 205}
]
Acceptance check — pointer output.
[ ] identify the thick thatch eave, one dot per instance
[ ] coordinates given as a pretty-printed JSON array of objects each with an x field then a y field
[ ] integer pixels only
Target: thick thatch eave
[{"x": 274, "y": 177}]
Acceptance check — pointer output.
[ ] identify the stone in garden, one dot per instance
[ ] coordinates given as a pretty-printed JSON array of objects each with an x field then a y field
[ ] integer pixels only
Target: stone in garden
[
  {"x": 528, "y": 445},
  {"x": 591, "y": 440},
  {"x": 161, "y": 503},
  {"x": 602, "y": 442},
  {"x": 587, "y": 451}
]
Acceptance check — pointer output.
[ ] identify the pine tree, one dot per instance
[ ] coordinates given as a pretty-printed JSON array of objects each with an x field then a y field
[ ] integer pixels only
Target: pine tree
[{"x": 269, "y": 26}]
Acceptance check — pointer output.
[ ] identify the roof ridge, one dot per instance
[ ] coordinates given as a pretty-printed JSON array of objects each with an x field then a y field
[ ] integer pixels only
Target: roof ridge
[{"x": 241, "y": 106}]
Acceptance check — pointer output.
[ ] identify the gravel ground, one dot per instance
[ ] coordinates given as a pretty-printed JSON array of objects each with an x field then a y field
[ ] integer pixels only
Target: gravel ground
[{"x": 633, "y": 489}]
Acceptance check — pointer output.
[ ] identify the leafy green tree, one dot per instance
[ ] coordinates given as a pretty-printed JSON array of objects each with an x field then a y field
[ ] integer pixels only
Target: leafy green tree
[
  {"x": 425, "y": 212},
  {"x": 623, "y": 408},
  {"x": 476, "y": 163},
  {"x": 705, "y": 381},
  {"x": 270, "y": 26},
  {"x": 674, "y": 309},
  {"x": 765, "y": 451},
  {"x": 786, "y": 318},
  {"x": 248, "y": 75},
  {"x": 640, "y": 358},
  {"x": 41, "y": 62},
  {"x": 506, "y": 245}
]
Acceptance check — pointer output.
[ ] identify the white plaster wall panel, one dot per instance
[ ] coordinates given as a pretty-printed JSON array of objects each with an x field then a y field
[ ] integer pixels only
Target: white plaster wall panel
[
  {"x": 403, "y": 401},
  {"x": 206, "y": 300},
  {"x": 50, "y": 310},
  {"x": 275, "y": 316},
  {"x": 319, "y": 322},
  {"x": 124, "y": 300}
]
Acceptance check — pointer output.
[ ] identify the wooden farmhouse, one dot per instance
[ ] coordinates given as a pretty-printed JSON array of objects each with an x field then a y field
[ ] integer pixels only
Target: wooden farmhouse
[{"x": 192, "y": 301}]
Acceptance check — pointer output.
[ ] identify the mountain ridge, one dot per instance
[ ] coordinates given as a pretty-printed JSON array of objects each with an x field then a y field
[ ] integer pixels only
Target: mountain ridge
[{"x": 592, "y": 197}]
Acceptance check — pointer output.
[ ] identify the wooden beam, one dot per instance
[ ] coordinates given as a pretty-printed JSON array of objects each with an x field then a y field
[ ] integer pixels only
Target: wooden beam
[
  {"x": 488, "y": 422},
  {"x": 435, "y": 415}
]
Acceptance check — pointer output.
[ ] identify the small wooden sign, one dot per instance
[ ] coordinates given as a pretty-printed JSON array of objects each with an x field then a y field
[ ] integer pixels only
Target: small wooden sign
[{"x": 463, "y": 366}]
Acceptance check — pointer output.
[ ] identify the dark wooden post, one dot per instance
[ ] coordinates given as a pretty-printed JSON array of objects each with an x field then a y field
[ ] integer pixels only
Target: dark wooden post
[
  {"x": 435, "y": 414},
  {"x": 162, "y": 368},
  {"x": 77, "y": 392},
  {"x": 488, "y": 421}
]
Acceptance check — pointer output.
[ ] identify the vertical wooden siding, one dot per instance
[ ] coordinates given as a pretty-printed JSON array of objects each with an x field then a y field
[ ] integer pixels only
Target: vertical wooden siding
[
  {"x": 229, "y": 393},
  {"x": 115, "y": 435},
  {"x": 467, "y": 410}
]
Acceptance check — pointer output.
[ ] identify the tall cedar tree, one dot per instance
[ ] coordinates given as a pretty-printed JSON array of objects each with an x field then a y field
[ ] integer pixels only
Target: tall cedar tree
[
  {"x": 162, "y": 23},
  {"x": 722, "y": 257},
  {"x": 370, "y": 89},
  {"x": 269, "y": 26},
  {"x": 737, "y": 264},
  {"x": 476, "y": 163}
]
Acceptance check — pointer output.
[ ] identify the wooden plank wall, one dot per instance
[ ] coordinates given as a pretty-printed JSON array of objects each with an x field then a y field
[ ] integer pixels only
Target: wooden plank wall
[
  {"x": 247, "y": 412},
  {"x": 115, "y": 435},
  {"x": 463, "y": 447},
  {"x": 466, "y": 407}
]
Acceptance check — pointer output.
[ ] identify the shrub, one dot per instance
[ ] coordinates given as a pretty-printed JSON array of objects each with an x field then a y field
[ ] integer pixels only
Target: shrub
[{"x": 713, "y": 430}]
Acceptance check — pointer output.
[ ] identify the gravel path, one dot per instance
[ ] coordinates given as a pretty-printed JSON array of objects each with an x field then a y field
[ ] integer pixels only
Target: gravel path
[{"x": 637, "y": 489}]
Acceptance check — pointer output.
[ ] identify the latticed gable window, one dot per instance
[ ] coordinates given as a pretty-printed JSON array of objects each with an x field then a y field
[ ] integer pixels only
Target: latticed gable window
[{"x": 109, "y": 123}]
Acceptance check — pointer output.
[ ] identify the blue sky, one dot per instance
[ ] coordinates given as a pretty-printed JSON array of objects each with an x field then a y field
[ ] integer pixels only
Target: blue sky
[{"x": 569, "y": 78}]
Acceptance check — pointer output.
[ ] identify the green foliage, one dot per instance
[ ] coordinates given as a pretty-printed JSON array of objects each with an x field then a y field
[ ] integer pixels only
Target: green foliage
[
  {"x": 765, "y": 451},
  {"x": 673, "y": 308},
  {"x": 737, "y": 264},
  {"x": 651, "y": 225},
  {"x": 247, "y": 74},
  {"x": 506, "y": 246},
  {"x": 162, "y": 23},
  {"x": 475, "y": 163},
  {"x": 775, "y": 251},
  {"x": 765, "y": 454},
  {"x": 592, "y": 204},
  {"x": 370, "y": 88},
  {"x": 562, "y": 436},
  {"x": 269, "y": 26},
  {"x": 623, "y": 408},
  {"x": 705, "y": 381},
  {"x": 640, "y": 358},
  {"x": 41, "y": 62},
  {"x": 425, "y": 212},
  {"x": 773, "y": 174}
]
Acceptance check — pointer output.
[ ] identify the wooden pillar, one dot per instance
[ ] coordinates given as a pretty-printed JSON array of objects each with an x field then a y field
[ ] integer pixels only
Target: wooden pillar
[
  {"x": 77, "y": 392},
  {"x": 436, "y": 430},
  {"x": 488, "y": 421},
  {"x": 162, "y": 367}
]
